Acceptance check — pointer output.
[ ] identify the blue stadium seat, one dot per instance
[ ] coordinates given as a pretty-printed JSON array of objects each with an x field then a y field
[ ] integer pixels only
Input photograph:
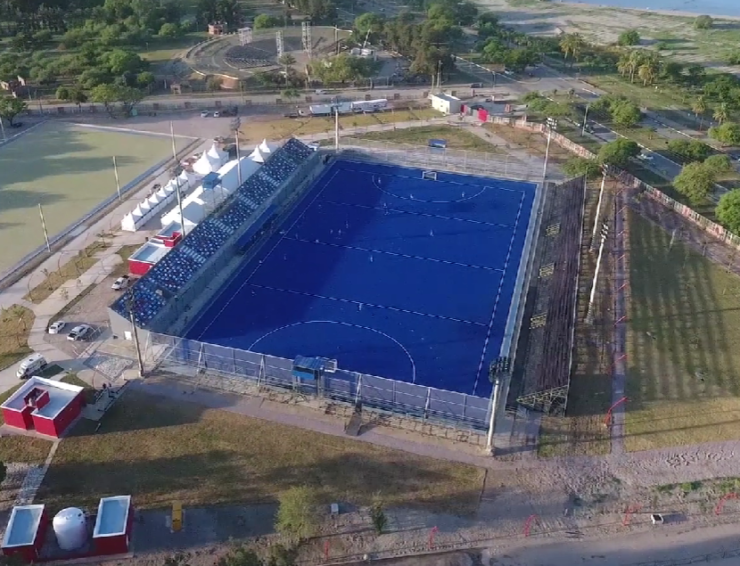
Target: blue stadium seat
[
  {"x": 174, "y": 270},
  {"x": 143, "y": 300}
]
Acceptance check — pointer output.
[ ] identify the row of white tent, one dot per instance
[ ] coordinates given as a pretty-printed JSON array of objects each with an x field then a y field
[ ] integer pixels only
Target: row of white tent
[
  {"x": 162, "y": 199},
  {"x": 202, "y": 201}
]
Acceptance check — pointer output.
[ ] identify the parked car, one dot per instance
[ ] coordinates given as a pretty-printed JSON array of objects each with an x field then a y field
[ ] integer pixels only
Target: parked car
[
  {"x": 217, "y": 114},
  {"x": 57, "y": 327},
  {"x": 30, "y": 365},
  {"x": 314, "y": 145},
  {"x": 80, "y": 332},
  {"x": 476, "y": 85},
  {"x": 645, "y": 157},
  {"x": 120, "y": 283},
  {"x": 205, "y": 114}
]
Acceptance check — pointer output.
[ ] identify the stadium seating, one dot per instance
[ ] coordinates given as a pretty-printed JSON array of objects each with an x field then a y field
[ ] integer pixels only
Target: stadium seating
[{"x": 178, "y": 267}]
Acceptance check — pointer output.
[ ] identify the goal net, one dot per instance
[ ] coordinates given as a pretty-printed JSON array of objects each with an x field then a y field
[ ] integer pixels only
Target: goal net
[
  {"x": 429, "y": 175},
  {"x": 245, "y": 36}
]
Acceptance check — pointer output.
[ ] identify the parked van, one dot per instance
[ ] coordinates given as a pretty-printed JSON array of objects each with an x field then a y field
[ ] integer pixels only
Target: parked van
[{"x": 30, "y": 365}]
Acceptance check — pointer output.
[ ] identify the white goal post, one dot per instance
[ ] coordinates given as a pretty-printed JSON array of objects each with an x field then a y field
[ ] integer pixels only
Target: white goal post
[
  {"x": 429, "y": 175},
  {"x": 245, "y": 36}
]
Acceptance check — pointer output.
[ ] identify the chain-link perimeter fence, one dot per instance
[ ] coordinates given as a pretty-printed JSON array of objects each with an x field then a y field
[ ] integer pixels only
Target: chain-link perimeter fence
[
  {"x": 452, "y": 160},
  {"x": 190, "y": 358}
]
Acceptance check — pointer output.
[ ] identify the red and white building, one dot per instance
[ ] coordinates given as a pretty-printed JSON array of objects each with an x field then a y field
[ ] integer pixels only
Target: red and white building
[
  {"x": 147, "y": 256},
  {"x": 112, "y": 532},
  {"x": 44, "y": 406},
  {"x": 25, "y": 532}
]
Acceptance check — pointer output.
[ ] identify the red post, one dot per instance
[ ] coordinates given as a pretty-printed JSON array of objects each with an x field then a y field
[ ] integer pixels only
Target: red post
[
  {"x": 608, "y": 418},
  {"x": 528, "y": 524},
  {"x": 432, "y": 535},
  {"x": 628, "y": 514},
  {"x": 326, "y": 550},
  {"x": 721, "y": 502}
]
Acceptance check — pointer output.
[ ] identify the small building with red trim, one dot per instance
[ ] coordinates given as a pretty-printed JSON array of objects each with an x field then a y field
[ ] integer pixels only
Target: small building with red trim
[
  {"x": 44, "y": 406},
  {"x": 25, "y": 532},
  {"x": 112, "y": 532}
]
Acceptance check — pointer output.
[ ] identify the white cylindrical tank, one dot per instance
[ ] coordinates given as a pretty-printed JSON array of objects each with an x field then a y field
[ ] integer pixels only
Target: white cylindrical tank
[{"x": 70, "y": 528}]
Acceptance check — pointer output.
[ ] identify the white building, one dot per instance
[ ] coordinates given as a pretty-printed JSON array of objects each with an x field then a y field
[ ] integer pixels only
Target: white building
[{"x": 446, "y": 103}]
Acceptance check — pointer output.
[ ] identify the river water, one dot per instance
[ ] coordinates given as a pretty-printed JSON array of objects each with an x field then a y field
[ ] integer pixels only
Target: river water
[{"x": 713, "y": 7}]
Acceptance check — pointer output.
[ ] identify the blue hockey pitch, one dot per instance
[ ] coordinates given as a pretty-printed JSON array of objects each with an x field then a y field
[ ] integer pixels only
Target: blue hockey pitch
[{"x": 388, "y": 273}]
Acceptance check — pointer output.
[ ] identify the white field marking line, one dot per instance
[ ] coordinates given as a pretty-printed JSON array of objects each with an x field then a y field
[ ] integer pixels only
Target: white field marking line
[
  {"x": 443, "y": 172},
  {"x": 19, "y": 135},
  {"x": 415, "y": 213},
  {"x": 498, "y": 296},
  {"x": 349, "y": 324},
  {"x": 458, "y": 183},
  {"x": 130, "y": 131},
  {"x": 397, "y": 254},
  {"x": 463, "y": 199},
  {"x": 371, "y": 305},
  {"x": 266, "y": 257}
]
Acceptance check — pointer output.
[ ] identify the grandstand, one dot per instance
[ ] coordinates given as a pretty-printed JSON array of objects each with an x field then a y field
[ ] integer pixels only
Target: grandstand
[
  {"x": 543, "y": 367},
  {"x": 187, "y": 326}
]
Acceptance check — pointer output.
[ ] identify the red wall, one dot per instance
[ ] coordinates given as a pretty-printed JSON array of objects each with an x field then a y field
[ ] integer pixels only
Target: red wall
[
  {"x": 15, "y": 418},
  {"x": 116, "y": 544},
  {"x": 31, "y": 552},
  {"x": 57, "y": 426},
  {"x": 44, "y": 426},
  {"x": 138, "y": 267}
]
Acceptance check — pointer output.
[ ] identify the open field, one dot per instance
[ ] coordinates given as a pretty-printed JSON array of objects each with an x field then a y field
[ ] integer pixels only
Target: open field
[
  {"x": 67, "y": 169},
  {"x": 255, "y": 132},
  {"x": 163, "y": 451},
  {"x": 683, "y": 347},
  {"x": 457, "y": 138},
  {"x": 15, "y": 324}
]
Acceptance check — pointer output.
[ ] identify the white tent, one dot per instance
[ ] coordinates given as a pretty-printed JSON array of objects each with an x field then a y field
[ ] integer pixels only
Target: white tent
[
  {"x": 132, "y": 221},
  {"x": 128, "y": 224},
  {"x": 264, "y": 147},
  {"x": 145, "y": 207},
  {"x": 229, "y": 173},
  {"x": 163, "y": 194},
  {"x": 205, "y": 164},
  {"x": 216, "y": 154},
  {"x": 257, "y": 156},
  {"x": 171, "y": 187},
  {"x": 186, "y": 178},
  {"x": 153, "y": 200}
]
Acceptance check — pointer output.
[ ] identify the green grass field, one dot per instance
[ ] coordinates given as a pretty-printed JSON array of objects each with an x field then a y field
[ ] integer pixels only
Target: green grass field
[
  {"x": 67, "y": 169},
  {"x": 683, "y": 348}
]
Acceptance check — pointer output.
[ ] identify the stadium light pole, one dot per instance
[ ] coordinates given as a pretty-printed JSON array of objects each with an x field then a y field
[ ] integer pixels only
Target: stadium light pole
[
  {"x": 551, "y": 124},
  {"x": 135, "y": 333},
  {"x": 118, "y": 181},
  {"x": 592, "y": 296},
  {"x": 598, "y": 210},
  {"x": 177, "y": 181},
  {"x": 492, "y": 423},
  {"x": 336, "y": 129},
  {"x": 585, "y": 120},
  {"x": 43, "y": 227}
]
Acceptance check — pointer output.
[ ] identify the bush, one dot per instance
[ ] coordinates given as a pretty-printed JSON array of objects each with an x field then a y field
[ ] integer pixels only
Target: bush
[
  {"x": 703, "y": 22},
  {"x": 728, "y": 211},
  {"x": 695, "y": 182},
  {"x": 629, "y": 37},
  {"x": 689, "y": 151},
  {"x": 265, "y": 21},
  {"x": 579, "y": 166},
  {"x": 618, "y": 152},
  {"x": 170, "y": 30},
  {"x": 727, "y": 134},
  {"x": 296, "y": 516},
  {"x": 719, "y": 163}
]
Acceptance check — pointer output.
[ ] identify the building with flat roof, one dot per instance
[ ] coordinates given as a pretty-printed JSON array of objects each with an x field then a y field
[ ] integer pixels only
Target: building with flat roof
[
  {"x": 146, "y": 257},
  {"x": 112, "y": 532},
  {"x": 25, "y": 532},
  {"x": 446, "y": 103},
  {"x": 45, "y": 406}
]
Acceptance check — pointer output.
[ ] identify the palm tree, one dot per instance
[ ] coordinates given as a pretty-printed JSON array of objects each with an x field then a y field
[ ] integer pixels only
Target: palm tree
[
  {"x": 624, "y": 65},
  {"x": 699, "y": 107},
  {"x": 648, "y": 70},
  {"x": 636, "y": 59},
  {"x": 721, "y": 113},
  {"x": 572, "y": 44}
]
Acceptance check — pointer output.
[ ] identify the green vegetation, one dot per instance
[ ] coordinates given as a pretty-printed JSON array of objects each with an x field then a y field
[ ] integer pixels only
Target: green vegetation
[
  {"x": 728, "y": 211},
  {"x": 683, "y": 344},
  {"x": 457, "y": 138},
  {"x": 297, "y": 516},
  {"x": 165, "y": 450},
  {"x": 619, "y": 152},
  {"x": 695, "y": 182},
  {"x": 15, "y": 324},
  {"x": 577, "y": 166}
]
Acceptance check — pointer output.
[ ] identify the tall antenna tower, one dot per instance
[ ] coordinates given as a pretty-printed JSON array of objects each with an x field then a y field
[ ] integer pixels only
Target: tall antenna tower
[
  {"x": 245, "y": 36},
  {"x": 279, "y": 43},
  {"x": 306, "y": 37}
]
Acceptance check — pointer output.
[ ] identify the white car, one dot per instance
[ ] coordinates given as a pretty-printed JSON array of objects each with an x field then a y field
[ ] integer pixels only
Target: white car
[
  {"x": 57, "y": 327},
  {"x": 217, "y": 114},
  {"x": 80, "y": 332},
  {"x": 645, "y": 157},
  {"x": 120, "y": 283},
  {"x": 205, "y": 114}
]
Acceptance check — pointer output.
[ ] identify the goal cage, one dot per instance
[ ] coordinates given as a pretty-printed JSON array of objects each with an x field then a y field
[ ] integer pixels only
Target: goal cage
[
  {"x": 429, "y": 175},
  {"x": 245, "y": 36}
]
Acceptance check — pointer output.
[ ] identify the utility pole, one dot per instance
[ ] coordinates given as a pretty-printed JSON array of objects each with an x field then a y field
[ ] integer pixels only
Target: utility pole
[
  {"x": 499, "y": 368},
  {"x": 43, "y": 227},
  {"x": 135, "y": 333},
  {"x": 552, "y": 124},
  {"x": 336, "y": 129},
  {"x": 118, "y": 181},
  {"x": 177, "y": 181},
  {"x": 598, "y": 210},
  {"x": 585, "y": 120}
]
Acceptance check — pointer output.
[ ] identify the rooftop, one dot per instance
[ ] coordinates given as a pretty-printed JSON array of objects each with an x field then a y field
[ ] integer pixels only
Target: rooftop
[
  {"x": 112, "y": 516},
  {"x": 60, "y": 395},
  {"x": 169, "y": 230},
  {"x": 445, "y": 96},
  {"x": 22, "y": 526},
  {"x": 151, "y": 252}
]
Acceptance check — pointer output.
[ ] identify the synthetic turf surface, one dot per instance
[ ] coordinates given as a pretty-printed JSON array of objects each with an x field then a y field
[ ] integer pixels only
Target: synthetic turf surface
[{"x": 388, "y": 273}]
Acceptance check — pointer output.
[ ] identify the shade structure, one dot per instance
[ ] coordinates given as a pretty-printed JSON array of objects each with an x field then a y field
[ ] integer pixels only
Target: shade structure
[
  {"x": 216, "y": 154},
  {"x": 206, "y": 164},
  {"x": 264, "y": 147},
  {"x": 257, "y": 156}
]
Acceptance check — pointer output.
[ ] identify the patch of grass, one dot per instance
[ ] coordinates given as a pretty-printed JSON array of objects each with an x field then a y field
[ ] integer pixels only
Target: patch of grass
[
  {"x": 15, "y": 324},
  {"x": 683, "y": 344},
  {"x": 534, "y": 143},
  {"x": 159, "y": 50},
  {"x": 74, "y": 302},
  {"x": 164, "y": 451},
  {"x": 21, "y": 448},
  {"x": 75, "y": 267},
  {"x": 124, "y": 253},
  {"x": 457, "y": 138}
]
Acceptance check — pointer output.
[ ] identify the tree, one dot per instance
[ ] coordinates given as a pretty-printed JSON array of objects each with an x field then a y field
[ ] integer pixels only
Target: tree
[
  {"x": 703, "y": 22},
  {"x": 63, "y": 93},
  {"x": 618, "y": 152},
  {"x": 572, "y": 45},
  {"x": 625, "y": 113},
  {"x": 718, "y": 163},
  {"x": 111, "y": 95},
  {"x": 369, "y": 25},
  {"x": 296, "y": 516},
  {"x": 721, "y": 113},
  {"x": 240, "y": 556},
  {"x": 213, "y": 83},
  {"x": 10, "y": 107},
  {"x": 728, "y": 211},
  {"x": 264, "y": 21},
  {"x": 629, "y": 37},
  {"x": 282, "y": 556},
  {"x": 695, "y": 182},
  {"x": 698, "y": 107},
  {"x": 727, "y": 134},
  {"x": 290, "y": 93},
  {"x": 579, "y": 166},
  {"x": 378, "y": 516},
  {"x": 170, "y": 30},
  {"x": 286, "y": 60},
  {"x": 145, "y": 79},
  {"x": 689, "y": 151}
]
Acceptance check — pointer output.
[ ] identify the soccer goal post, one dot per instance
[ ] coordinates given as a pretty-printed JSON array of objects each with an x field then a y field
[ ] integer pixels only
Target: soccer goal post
[{"x": 429, "y": 175}]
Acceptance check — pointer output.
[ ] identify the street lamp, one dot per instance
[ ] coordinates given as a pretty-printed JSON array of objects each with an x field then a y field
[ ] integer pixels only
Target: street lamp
[
  {"x": 551, "y": 124},
  {"x": 585, "y": 120}
]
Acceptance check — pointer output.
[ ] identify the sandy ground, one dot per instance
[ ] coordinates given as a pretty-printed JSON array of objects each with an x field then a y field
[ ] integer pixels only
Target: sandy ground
[{"x": 603, "y": 25}]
